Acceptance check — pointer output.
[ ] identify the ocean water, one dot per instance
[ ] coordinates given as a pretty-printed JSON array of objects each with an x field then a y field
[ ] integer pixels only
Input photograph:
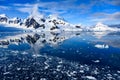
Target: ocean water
[{"x": 59, "y": 56}]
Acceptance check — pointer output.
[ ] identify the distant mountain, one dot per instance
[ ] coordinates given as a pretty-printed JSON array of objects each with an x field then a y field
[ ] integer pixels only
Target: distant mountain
[
  {"x": 101, "y": 27},
  {"x": 40, "y": 23}
]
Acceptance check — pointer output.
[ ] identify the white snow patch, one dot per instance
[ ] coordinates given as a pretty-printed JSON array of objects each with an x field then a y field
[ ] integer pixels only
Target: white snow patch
[{"x": 2, "y": 15}]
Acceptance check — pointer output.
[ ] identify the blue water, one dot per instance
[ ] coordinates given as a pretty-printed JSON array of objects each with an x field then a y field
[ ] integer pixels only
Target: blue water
[
  {"x": 60, "y": 56},
  {"x": 9, "y": 29}
]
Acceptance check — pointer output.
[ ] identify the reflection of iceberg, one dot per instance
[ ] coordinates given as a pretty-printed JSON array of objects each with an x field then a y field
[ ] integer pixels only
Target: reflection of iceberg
[{"x": 101, "y": 46}]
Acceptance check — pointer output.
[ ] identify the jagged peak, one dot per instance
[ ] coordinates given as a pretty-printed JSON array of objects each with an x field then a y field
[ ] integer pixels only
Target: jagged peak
[
  {"x": 100, "y": 24},
  {"x": 56, "y": 17}
]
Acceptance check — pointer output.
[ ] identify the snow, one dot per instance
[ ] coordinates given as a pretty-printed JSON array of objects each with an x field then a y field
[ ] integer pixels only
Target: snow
[
  {"x": 2, "y": 15},
  {"x": 13, "y": 19},
  {"x": 101, "y": 27},
  {"x": 55, "y": 17}
]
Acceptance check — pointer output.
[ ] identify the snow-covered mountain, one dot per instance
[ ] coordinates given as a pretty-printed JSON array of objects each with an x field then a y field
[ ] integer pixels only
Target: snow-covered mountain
[
  {"x": 3, "y": 18},
  {"x": 40, "y": 23},
  {"x": 101, "y": 27},
  {"x": 10, "y": 22}
]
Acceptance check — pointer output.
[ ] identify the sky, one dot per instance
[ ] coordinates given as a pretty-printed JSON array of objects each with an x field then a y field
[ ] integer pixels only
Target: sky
[{"x": 86, "y": 12}]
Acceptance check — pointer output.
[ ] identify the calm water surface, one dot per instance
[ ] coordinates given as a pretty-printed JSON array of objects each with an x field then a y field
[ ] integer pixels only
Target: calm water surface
[{"x": 60, "y": 56}]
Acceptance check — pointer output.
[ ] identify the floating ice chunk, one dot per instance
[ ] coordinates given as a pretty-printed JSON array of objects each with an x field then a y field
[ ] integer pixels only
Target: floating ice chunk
[
  {"x": 43, "y": 79},
  {"x": 59, "y": 66},
  {"x": 18, "y": 69},
  {"x": 101, "y": 46},
  {"x": 24, "y": 53},
  {"x": 81, "y": 71},
  {"x": 36, "y": 55},
  {"x": 91, "y": 78},
  {"x": 47, "y": 65},
  {"x": 96, "y": 61},
  {"x": 118, "y": 71},
  {"x": 6, "y": 73}
]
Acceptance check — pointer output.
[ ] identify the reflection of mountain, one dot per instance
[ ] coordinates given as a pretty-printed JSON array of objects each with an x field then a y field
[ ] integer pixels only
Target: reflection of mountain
[
  {"x": 99, "y": 34},
  {"x": 112, "y": 39},
  {"x": 37, "y": 40}
]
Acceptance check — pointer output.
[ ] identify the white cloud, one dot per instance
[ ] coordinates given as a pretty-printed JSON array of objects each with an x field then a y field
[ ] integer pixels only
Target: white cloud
[
  {"x": 59, "y": 7},
  {"x": 3, "y": 7},
  {"x": 25, "y": 10},
  {"x": 102, "y": 17},
  {"x": 113, "y": 2}
]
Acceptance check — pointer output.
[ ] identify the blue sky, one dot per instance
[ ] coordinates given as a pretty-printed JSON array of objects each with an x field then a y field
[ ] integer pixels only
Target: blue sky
[{"x": 86, "y": 12}]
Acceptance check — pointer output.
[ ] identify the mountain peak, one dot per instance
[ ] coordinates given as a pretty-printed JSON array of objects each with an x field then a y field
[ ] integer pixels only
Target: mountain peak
[
  {"x": 100, "y": 24},
  {"x": 56, "y": 17}
]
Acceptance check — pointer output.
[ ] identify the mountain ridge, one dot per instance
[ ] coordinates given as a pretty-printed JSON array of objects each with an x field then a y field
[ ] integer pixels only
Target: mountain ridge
[{"x": 40, "y": 22}]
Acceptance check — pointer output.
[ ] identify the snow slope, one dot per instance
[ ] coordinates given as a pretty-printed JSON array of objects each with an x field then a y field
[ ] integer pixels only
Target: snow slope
[{"x": 101, "y": 27}]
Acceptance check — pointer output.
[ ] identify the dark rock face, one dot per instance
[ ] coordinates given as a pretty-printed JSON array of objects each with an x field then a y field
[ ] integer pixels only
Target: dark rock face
[
  {"x": 17, "y": 21},
  {"x": 43, "y": 20},
  {"x": 31, "y": 22},
  {"x": 78, "y": 26},
  {"x": 54, "y": 27},
  {"x": 10, "y": 21},
  {"x": 57, "y": 22},
  {"x": 3, "y": 19}
]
